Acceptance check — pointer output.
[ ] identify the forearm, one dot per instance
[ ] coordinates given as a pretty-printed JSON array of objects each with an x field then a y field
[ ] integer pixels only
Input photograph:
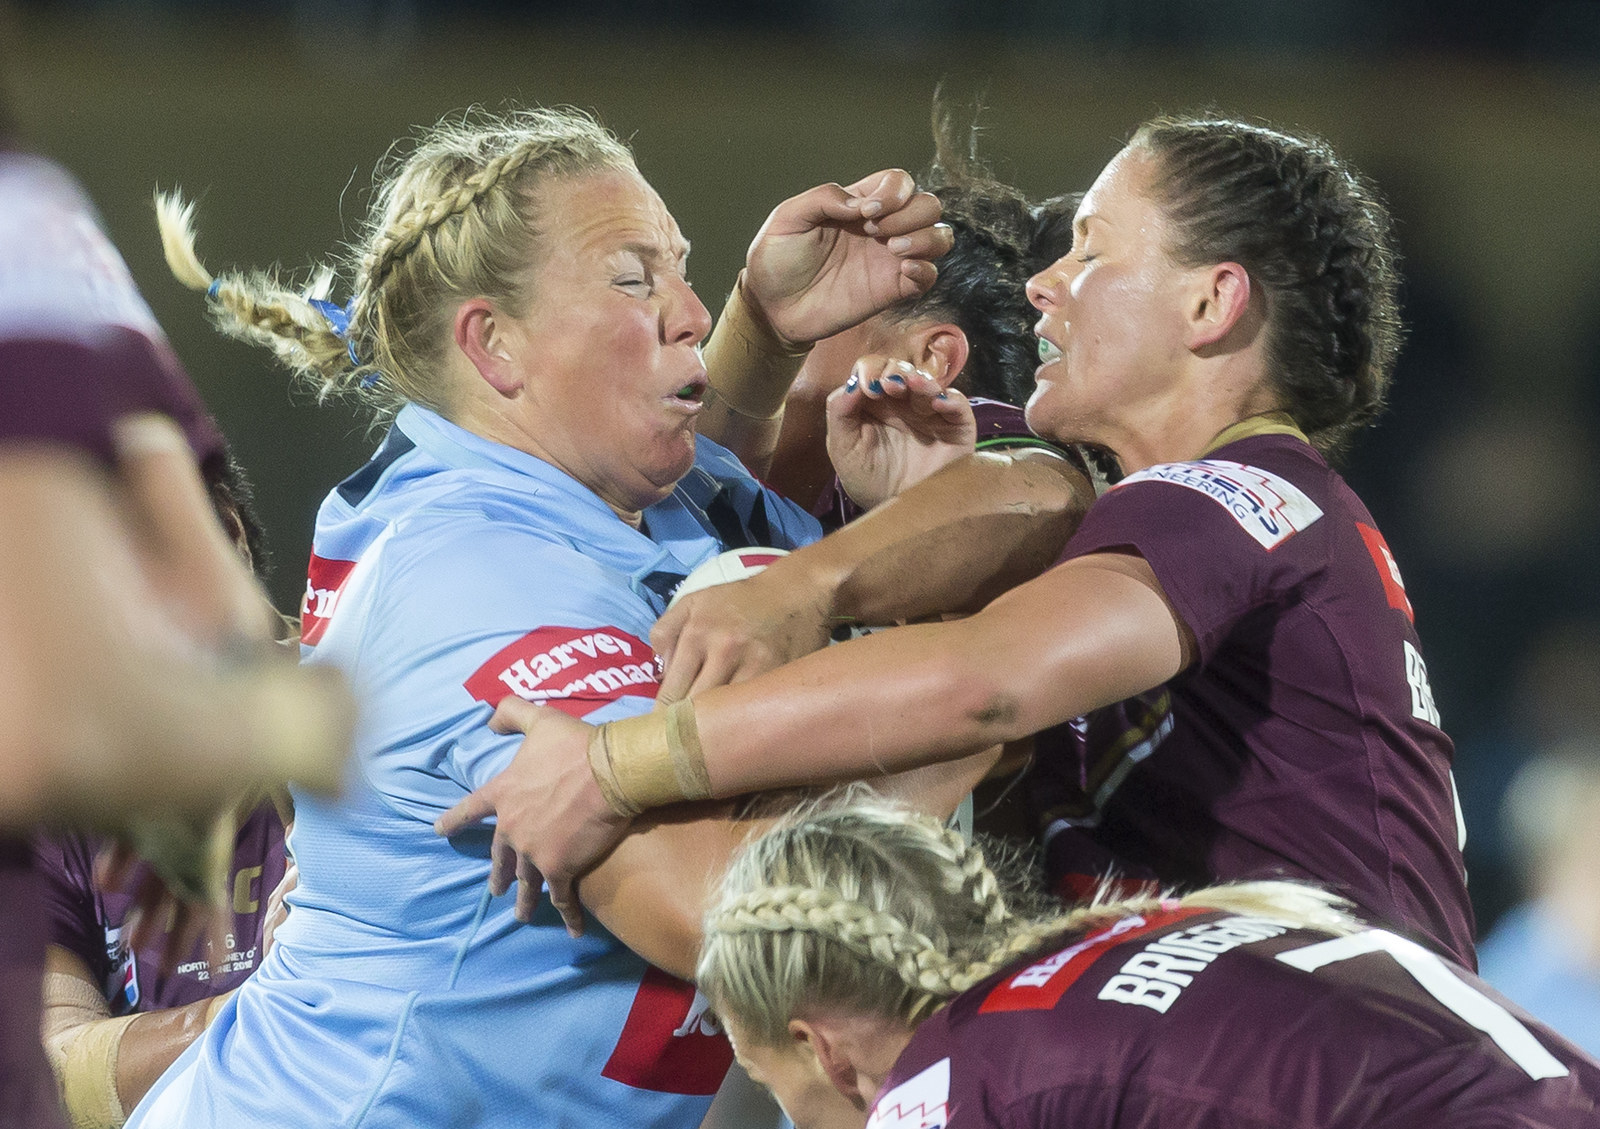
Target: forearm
[
  {"x": 973, "y": 530},
  {"x": 106, "y": 1064},
  {"x": 106, "y": 712},
  {"x": 1084, "y": 635},
  {"x": 153, "y": 1042},
  {"x": 651, "y": 892},
  {"x": 749, "y": 370}
]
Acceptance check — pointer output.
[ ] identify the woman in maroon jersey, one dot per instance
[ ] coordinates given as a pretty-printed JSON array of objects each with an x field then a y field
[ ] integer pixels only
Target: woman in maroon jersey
[
  {"x": 865, "y": 958},
  {"x": 1225, "y": 319}
]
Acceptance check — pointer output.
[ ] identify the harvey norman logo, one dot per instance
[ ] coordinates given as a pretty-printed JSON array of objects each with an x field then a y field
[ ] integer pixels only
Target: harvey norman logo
[
  {"x": 575, "y": 669},
  {"x": 1269, "y": 508}
]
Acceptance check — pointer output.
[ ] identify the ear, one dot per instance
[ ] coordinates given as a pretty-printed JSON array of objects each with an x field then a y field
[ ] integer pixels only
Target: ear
[
  {"x": 483, "y": 341},
  {"x": 941, "y": 351},
  {"x": 817, "y": 1043},
  {"x": 1221, "y": 298}
]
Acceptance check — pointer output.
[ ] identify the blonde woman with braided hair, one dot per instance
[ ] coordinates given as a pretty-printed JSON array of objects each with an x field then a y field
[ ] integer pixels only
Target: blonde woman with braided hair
[
  {"x": 1223, "y": 672},
  {"x": 518, "y": 305},
  {"x": 866, "y": 958}
]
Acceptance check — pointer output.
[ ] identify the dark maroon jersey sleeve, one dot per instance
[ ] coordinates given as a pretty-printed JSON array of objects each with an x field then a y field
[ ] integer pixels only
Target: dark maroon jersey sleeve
[
  {"x": 79, "y": 347},
  {"x": 1224, "y": 538},
  {"x": 65, "y": 865}
]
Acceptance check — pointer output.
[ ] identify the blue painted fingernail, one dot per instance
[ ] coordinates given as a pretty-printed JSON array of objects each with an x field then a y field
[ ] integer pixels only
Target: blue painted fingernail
[
  {"x": 875, "y": 387},
  {"x": 853, "y": 383},
  {"x": 942, "y": 396},
  {"x": 896, "y": 377}
]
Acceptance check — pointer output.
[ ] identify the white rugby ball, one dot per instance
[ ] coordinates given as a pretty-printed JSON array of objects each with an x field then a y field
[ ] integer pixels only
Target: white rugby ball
[{"x": 724, "y": 568}]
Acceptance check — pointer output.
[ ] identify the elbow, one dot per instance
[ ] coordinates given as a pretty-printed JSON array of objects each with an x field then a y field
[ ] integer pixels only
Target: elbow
[{"x": 984, "y": 705}]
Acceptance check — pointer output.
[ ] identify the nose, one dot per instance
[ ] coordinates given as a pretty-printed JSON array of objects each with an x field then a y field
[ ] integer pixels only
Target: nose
[
  {"x": 684, "y": 319},
  {"x": 1046, "y": 289}
]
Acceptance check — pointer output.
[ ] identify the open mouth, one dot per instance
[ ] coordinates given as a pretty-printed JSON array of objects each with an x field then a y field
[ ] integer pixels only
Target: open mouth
[
  {"x": 1048, "y": 352},
  {"x": 691, "y": 393}
]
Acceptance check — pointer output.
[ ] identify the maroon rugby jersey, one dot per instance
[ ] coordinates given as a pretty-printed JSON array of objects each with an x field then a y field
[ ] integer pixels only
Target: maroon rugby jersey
[
  {"x": 78, "y": 349},
  {"x": 1195, "y": 1018},
  {"x": 1000, "y": 426},
  {"x": 87, "y": 921},
  {"x": 1303, "y": 742}
]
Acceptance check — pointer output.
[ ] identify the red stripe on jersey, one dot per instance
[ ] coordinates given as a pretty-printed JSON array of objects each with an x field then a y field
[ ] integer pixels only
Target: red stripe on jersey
[
  {"x": 324, "y": 581},
  {"x": 670, "y": 1044},
  {"x": 1040, "y": 986},
  {"x": 575, "y": 669},
  {"x": 1388, "y": 572}
]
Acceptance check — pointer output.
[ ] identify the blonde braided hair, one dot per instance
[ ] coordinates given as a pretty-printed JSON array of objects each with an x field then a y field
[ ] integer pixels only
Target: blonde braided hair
[
  {"x": 855, "y": 903},
  {"x": 453, "y": 218}
]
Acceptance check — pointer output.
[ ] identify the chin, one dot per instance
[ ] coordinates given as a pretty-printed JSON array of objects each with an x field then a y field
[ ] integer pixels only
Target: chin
[{"x": 1042, "y": 418}]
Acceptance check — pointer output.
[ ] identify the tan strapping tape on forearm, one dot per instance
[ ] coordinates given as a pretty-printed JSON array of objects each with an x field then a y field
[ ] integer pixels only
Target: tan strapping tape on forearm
[
  {"x": 651, "y": 760},
  {"x": 82, "y": 1044},
  {"x": 749, "y": 368}
]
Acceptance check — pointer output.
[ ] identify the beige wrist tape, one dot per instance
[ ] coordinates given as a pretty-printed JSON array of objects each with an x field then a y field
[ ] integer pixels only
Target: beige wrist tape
[
  {"x": 82, "y": 1044},
  {"x": 749, "y": 368},
  {"x": 651, "y": 760}
]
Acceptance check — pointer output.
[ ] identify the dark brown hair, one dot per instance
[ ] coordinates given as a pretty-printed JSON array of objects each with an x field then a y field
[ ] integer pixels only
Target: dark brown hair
[{"x": 1315, "y": 238}]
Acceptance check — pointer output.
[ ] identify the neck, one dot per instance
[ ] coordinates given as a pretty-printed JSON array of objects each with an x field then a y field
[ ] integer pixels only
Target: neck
[
  {"x": 483, "y": 418},
  {"x": 1186, "y": 427}
]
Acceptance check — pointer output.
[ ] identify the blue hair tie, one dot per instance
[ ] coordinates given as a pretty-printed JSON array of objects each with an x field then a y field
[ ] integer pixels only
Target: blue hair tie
[
  {"x": 214, "y": 288},
  {"x": 338, "y": 318}
]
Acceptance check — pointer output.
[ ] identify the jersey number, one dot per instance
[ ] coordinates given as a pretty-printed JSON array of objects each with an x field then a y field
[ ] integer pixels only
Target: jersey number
[{"x": 1436, "y": 978}]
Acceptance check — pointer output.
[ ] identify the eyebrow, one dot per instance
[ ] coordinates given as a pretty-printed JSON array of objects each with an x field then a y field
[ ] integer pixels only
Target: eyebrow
[
  {"x": 652, "y": 251},
  {"x": 1080, "y": 224}
]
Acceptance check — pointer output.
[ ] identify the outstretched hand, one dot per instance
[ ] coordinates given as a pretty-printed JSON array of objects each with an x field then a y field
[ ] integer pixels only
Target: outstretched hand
[
  {"x": 552, "y": 824},
  {"x": 891, "y": 425},
  {"x": 731, "y": 632},
  {"x": 831, "y": 257}
]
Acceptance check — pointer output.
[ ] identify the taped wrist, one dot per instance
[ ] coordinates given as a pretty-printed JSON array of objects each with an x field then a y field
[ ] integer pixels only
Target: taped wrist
[
  {"x": 649, "y": 761},
  {"x": 82, "y": 1043},
  {"x": 749, "y": 367}
]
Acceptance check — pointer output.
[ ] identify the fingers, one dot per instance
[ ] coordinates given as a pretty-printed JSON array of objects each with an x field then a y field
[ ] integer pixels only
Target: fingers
[
  {"x": 529, "y": 885},
  {"x": 503, "y": 861},
  {"x": 514, "y": 715},
  {"x": 564, "y": 896},
  {"x": 877, "y": 377},
  {"x": 477, "y": 806},
  {"x": 885, "y": 192},
  {"x": 886, "y": 204}
]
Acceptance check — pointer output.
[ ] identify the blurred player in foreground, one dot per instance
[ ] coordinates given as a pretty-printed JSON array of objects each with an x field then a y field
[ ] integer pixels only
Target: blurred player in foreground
[
  {"x": 146, "y": 1003},
  {"x": 865, "y": 958},
  {"x": 135, "y": 648}
]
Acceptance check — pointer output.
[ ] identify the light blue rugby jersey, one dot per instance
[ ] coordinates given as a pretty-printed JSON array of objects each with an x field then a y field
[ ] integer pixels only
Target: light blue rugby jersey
[{"x": 447, "y": 572}]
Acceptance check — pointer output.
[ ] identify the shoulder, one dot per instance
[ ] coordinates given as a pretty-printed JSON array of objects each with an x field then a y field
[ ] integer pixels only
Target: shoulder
[{"x": 1263, "y": 487}]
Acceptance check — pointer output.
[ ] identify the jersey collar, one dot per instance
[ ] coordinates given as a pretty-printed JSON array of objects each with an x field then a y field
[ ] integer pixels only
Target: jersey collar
[{"x": 1267, "y": 423}]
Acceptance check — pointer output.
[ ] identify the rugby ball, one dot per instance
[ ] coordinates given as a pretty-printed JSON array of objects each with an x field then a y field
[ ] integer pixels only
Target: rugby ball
[{"x": 724, "y": 568}]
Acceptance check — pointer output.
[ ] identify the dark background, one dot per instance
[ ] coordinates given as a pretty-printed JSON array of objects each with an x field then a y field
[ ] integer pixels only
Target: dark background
[{"x": 1481, "y": 121}]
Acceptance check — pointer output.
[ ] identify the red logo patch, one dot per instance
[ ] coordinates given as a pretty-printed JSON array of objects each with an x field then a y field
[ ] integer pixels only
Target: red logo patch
[
  {"x": 575, "y": 669},
  {"x": 324, "y": 581},
  {"x": 1388, "y": 572},
  {"x": 670, "y": 1044},
  {"x": 1040, "y": 986}
]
